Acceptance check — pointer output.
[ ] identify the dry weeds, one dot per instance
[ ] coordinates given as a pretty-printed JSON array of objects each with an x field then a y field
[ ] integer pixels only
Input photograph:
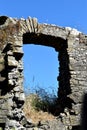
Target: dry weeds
[{"x": 33, "y": 114}]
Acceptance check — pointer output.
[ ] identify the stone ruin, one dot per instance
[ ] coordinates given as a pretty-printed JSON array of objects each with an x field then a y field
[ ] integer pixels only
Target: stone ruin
[{"x": 72, "y": 47}]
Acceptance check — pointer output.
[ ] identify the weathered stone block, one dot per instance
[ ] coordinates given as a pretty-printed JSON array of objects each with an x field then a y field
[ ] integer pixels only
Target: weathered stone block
[
  {"x": 74, "y": 120},
  {"x": 12, "y": 61},
  {"x": 35, "y": 23},
  {"x": 28, "y": 25}
]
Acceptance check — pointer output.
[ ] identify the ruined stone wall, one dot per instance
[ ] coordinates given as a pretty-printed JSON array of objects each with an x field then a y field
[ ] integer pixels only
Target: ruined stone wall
[
  {"x": 73, "y": 78},
  {"x": 71, "y": 45}
]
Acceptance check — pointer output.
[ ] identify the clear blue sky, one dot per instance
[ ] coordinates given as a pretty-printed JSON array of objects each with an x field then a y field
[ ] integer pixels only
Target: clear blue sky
[{"x": 71, "y": 13}]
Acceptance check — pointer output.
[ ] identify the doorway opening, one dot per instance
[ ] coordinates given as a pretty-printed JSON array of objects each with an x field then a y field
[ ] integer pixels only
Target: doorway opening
[
  {"x": 40, "y": 77},
  {"x": 63, "y": 86},
  {"x": 40, "y": 69}
]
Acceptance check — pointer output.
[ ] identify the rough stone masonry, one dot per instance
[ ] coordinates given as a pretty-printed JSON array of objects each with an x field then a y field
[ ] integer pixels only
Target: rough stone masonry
[{"x": 72, "y": 47}]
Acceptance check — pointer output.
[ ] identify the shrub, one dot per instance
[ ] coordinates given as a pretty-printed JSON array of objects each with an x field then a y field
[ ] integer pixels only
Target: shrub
[{"x": 41, "y": 100}]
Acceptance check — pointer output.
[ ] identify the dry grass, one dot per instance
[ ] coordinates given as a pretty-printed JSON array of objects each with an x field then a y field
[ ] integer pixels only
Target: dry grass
[{"x": 33, "y": 114}]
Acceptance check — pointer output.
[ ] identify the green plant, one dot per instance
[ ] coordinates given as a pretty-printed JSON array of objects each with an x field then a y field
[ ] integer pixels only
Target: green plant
[
  {"x": 43, "y": 101},
  {"x": 39, "y": 104}
]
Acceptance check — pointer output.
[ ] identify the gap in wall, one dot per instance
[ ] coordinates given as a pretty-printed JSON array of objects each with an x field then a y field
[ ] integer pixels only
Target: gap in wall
[
  {"x": 40, "y": 68},
  {"x": 40, "y": 82}
]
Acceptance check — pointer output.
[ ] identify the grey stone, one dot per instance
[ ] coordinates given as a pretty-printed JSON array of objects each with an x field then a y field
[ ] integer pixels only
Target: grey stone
[
  {"x": 22, "y": 97},
  {"x": 12, "y": 61},
  {"x": 28, "y": 25},
  {"x": 35, "y": 24},
  {"x": 16, "y": 89}
]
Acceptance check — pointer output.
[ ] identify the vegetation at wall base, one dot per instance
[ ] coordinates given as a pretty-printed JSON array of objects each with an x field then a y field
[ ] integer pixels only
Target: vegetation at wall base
[{"x": 41, "y": 106}]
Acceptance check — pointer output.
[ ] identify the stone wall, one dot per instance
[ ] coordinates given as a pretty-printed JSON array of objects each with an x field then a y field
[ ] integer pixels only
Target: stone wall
[{"x": 71, "y": 45}]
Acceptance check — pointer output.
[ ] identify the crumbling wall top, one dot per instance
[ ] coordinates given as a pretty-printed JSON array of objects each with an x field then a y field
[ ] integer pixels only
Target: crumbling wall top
[{"x": 31, "y": 25}]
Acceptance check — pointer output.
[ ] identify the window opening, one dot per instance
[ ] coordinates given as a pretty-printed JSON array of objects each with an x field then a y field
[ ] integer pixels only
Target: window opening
[
  {"x": 40, "y": 68},
  {"x": 40, "y": 75}
]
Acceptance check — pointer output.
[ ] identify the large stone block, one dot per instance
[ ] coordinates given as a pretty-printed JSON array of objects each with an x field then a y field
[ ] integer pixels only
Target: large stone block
[{"x": 12, "y": 61}]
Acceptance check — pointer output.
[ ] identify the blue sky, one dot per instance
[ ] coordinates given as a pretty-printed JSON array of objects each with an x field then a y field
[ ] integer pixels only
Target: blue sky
[
  {"x": 40, "y": 67},
  {"x": 70, "y": 13},
  {"x": 60, "y": 12}
]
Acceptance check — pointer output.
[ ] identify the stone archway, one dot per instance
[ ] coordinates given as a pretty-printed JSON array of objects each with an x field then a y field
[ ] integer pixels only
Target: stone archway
[
  {"x": 71, "y": 45},
  {"x": 63, "y": 58}
]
